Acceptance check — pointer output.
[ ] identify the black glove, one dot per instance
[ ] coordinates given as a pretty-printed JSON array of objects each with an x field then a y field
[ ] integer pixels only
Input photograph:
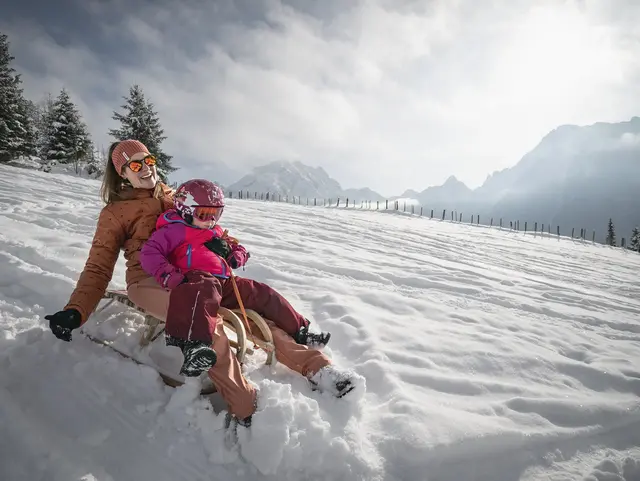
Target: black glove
[
  {"x": 219, "y": 246},
  {"x": 63, "y": 322}
]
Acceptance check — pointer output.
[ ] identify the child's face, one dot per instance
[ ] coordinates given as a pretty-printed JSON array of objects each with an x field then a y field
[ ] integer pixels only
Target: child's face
[{"x": 204, "y": 224}]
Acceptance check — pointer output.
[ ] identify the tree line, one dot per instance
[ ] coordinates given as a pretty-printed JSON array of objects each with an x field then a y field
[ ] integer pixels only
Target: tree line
[{"x": 53, "y": 129}]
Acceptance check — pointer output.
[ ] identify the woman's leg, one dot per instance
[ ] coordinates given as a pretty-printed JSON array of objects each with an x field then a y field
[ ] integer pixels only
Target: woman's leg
[
  {"x": 150, "y": 296},
  {"x": 226, "y": 375},
  {"x": 296, "y": 357},
  {"x": 312, "y": 364}
]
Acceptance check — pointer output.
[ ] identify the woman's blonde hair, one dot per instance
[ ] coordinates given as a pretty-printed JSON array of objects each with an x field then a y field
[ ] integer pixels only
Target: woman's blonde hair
[{"x": 113, "y": 184}]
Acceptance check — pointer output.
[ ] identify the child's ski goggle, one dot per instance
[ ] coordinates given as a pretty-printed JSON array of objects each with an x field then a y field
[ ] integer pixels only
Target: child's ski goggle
[
  {"x": 207, "y": 213},
  {"x": 136, "y": 165}
]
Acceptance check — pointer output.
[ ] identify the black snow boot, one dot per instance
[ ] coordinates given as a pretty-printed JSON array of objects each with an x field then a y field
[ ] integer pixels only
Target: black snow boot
[
  {"x": 304, "y": 337},
  {"x": 198, "y": 356}
]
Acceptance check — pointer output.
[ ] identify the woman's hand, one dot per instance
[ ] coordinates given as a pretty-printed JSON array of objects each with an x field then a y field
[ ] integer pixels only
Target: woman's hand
[{"x": 63, "y": 322}]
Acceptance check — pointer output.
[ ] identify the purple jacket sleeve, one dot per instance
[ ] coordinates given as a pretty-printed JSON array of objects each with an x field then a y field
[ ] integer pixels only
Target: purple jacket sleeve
[
  {"x": 154, "y": 256},
  {"x": 238, "y": 256}
]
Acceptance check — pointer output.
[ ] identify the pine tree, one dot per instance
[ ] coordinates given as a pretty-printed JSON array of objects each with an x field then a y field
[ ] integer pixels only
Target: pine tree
[
  {"x": 611, "y": 234},
  {"x": 16, "y": 132},
  {"x": 27, "y": 110},
  {"x": 140, "y": 122},
  {"x": 39, "y": 117},
  {"x": 66, "y": 138},
  {"x": 635, "y": 240}
]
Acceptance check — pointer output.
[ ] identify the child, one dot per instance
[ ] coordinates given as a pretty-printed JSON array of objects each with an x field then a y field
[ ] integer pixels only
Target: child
[{"x": 191, "y": 255}]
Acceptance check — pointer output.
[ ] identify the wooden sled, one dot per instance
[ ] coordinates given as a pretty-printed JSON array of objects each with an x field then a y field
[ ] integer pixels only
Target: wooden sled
[{"x": 154, "y": 328}]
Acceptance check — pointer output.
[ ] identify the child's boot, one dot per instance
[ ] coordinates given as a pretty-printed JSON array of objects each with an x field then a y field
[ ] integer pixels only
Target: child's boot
[
  {"x": 198, "y": 355},
  {"x": 312, "y": 339}
]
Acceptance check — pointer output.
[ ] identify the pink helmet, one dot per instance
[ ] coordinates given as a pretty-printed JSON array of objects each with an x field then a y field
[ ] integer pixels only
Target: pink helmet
[{"x": 198, "y": 195}]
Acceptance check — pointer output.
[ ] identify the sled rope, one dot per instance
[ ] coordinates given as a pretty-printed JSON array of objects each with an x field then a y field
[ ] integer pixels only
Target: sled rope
[{"x": 244, "y": 313}]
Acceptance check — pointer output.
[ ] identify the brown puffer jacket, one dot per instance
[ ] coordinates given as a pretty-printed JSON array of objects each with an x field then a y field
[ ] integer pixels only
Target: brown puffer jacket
[{"x": 125, "y": 224}]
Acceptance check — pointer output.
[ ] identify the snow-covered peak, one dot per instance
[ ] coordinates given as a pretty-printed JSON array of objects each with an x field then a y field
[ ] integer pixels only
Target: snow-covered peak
[{"x": 296, "y": 179}]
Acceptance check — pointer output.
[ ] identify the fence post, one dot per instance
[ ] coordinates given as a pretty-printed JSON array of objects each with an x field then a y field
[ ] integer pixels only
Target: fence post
[
  {"x": 478, "y": 219},
  {"x": 377, "y": 205},
  {"x": 460, "y": 217},
  {"x": 386, "y": 205},
  {"x": 525, "y": 226},
  {"x": 542, "y": 230},
  {"x": 432, "y": 213},
  {"x": 471, "y": 219},
  {"x": 412, "y": 206},
  {"x": 420, "y": 211},
  {"x": 518, "y": 224},
  {"x": 622, "y": 243},
  {"x": 491, "y": 225},
  {"x": 443, "y": 212},
  {"x": 404, "y": 207},
  {"x": 572, "y": 231},
  {"x": 501, "y": 222},
  {"x": 593, "y": 238}
]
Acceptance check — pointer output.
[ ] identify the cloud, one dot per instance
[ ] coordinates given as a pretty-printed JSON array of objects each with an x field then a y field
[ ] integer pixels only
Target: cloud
[{"x": 387, "y": 94}]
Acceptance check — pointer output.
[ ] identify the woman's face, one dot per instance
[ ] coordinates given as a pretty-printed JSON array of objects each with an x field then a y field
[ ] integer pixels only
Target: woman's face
[{"x": 145, "y": 178}]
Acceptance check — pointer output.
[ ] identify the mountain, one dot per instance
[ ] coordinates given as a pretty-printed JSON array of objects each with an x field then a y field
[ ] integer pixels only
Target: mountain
[
  {"x": 362, "y": 194},
  {"x": 576, "y": 177},
  {"x": 453, "y": 194},
  {"x": 297, "y": 179}
]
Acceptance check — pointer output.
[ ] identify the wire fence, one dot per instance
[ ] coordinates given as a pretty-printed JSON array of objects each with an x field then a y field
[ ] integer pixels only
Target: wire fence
[{"x": 452, "y": 215}]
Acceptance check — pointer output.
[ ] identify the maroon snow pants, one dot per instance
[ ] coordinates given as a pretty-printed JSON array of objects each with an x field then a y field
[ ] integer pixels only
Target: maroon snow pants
[{"x": 193, "y": 305}]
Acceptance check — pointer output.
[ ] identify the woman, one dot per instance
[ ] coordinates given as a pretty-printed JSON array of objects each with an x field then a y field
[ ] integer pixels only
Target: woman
[{"x": 134, "y": 199}]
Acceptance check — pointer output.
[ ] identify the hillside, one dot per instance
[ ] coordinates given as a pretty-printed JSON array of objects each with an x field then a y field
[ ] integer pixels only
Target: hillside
[{"x": 488, "y": 355}]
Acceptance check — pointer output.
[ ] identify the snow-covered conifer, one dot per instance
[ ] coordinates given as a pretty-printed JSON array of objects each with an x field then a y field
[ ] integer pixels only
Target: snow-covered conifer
[
  {"x": 16, "y": 131},
  {"x": 140, "y": 122},
  {"x": 66, "y": 138}
]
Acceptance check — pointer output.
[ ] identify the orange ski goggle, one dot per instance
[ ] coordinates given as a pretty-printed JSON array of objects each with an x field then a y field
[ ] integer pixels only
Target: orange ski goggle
[
  {"x": 207, "y": 213},
  {"x": 136, "y": 165}
]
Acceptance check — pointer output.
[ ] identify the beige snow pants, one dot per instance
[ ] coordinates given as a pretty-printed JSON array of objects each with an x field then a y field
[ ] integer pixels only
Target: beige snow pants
[{"x": 226, "y": 374}]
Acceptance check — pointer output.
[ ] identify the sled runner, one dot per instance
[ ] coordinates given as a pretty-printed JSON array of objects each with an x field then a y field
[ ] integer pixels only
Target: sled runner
[{"x": 154, "y": 329}]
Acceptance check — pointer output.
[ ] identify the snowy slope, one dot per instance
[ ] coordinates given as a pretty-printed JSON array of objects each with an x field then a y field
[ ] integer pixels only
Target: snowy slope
[{"x": 488, "y": 355}]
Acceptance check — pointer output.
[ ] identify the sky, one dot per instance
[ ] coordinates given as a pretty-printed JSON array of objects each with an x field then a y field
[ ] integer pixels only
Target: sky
[{"x": 386, "y": 94}]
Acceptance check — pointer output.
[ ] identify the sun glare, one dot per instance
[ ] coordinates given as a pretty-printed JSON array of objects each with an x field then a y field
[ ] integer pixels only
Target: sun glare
[{"x": 556, "y": 54}]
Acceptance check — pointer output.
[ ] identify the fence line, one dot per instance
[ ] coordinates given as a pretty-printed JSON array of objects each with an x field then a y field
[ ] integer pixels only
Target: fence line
[{"x": 514, "y": 225}]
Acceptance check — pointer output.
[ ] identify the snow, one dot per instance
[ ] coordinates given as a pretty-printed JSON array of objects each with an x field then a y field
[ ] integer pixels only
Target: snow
[{"x": 487, "y": 354}]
